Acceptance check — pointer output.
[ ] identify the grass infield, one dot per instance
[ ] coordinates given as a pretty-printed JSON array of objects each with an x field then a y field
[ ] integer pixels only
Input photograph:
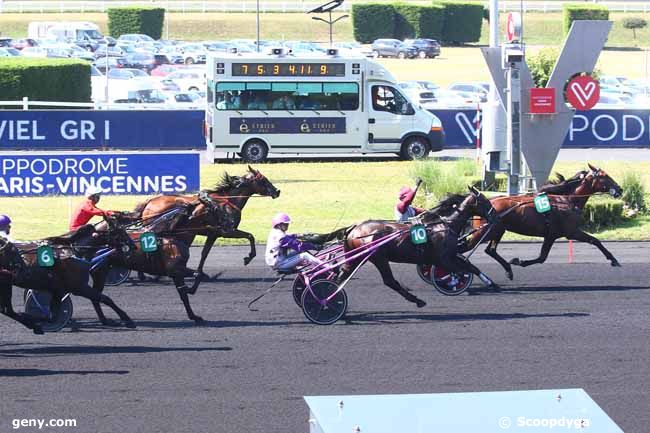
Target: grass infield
[{"x": 319, "y": 197}]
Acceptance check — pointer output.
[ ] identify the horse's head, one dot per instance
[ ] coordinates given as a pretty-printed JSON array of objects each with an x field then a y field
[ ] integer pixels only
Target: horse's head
[
  {"x": 478, "y": 204},
  {"x": 601, "y": 182},
  {"x": 115, "y": 235},
  {"x": 259, "y": 184}
]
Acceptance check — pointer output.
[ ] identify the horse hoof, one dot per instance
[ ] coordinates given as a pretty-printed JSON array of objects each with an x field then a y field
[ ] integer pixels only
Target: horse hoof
[
  {"x": 473, "y": 293},
  {"x": 130, "y": 324},
  {"x": 616, "y": 264},
  {"x": 515, "y": 262},
  {"x": 420, "y": 303},
  {"x": 198, "y": 321},
  {"x": 247, "y": 260},
  {"x": 38, "y": 331},
  {"x": 509, "y": 275},
  {"x": 494, "y": 287}
]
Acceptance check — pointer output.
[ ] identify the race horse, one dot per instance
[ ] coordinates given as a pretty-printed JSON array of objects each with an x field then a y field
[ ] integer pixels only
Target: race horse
[
  {"x": 567, "y": 198},
  {"x": 69, "y": 273},
  {"x": 444, "y": 223},
  {"x": 229, "y": 196}
]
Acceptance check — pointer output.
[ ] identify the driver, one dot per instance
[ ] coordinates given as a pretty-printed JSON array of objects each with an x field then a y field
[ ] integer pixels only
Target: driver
[
  {"x": 87, "y": 209},
  {"x": 5, "y": 228},
  {"x": 279, "y": 243},
  {"x": 403, "y": 209}
]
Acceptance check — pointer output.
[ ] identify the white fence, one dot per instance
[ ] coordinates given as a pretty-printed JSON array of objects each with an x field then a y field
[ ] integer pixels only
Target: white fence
[
  {"x": 26, "y": 104},
  {"x": 186, "y": 6}
]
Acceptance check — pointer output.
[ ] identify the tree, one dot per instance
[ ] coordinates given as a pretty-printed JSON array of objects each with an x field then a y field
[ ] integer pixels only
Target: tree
[{"x": 633, "y": 24}]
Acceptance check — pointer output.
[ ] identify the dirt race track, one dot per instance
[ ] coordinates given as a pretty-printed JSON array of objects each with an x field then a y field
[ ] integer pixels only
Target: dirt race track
[{"x": 557, "y": 325}]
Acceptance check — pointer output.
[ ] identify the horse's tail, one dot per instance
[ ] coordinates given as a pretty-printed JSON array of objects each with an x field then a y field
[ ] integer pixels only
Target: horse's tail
[{"x": 338, "y": 235}]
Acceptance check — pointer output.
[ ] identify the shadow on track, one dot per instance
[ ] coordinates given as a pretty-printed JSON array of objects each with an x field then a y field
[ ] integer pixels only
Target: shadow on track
[
  {"x": 385, "y": 317},
  {"x": 105, "y": 350},
  {"x": 524, "y": 290},
  {"x": 35, "y": 372}
]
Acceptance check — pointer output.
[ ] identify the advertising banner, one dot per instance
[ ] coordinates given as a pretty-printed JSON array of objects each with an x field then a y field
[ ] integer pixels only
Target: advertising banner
[{"x": 117, "y": 173}]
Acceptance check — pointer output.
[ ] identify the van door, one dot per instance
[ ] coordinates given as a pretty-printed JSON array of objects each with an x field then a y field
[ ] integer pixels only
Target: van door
[{"x": 390, "y": 116}]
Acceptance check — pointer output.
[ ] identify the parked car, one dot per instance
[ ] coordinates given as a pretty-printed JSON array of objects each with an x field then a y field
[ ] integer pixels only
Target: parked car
[
  {"x": 193, "y": 53},
  {"x": 143, "y": 61},
  {"x": 5, "y": 42},
  {"x": 618, "y": 84},
  {"x": 109, "y": 63},
  {"x": 481, "y": 90},
  {"x": 45, "y": 52},
  {"x": 352, "y": 49},
  {"x": 188, "y": 80},
  {"x": 393, "y": 48},
  {"x": 163, "y": 70},
  {"x": 9, "y": 52},
  {"x": 134, "y": 38},
  {"x": 426, "y": 47},
  {"x": 19, "y": 44}
]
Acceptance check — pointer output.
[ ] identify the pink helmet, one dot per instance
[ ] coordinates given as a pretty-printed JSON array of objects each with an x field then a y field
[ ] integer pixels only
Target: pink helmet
[
  {"x": 281, "y": 218},
  {"x": 404, "y": 191}
]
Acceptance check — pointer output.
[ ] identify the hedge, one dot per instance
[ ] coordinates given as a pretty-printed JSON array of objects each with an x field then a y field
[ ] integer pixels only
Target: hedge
[
  {"x": 373, "y": 21},
  {"x": 600, "y": 213},
  {"x": 462, "y": 22},
  {"x": 136, "y": 19},
  {"x": 573, "y": 12},
  {"x": 413, "y": 21},
  {"x": 63, "y": 80}
]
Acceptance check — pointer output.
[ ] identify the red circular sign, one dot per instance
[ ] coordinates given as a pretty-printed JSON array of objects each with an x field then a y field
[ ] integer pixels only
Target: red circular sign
[{"x": 583, "y": 92}]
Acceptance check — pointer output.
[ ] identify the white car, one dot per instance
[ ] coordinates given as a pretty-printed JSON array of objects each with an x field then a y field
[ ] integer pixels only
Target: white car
[
  {"x": 9, "y": 52},
  {"x": 352, "y": 49},
  {"x": 188, "y": 79},
  {"x": 448, "y": 99}
]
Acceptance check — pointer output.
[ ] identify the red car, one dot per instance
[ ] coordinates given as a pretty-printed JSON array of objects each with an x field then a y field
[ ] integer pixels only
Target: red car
[{"x": 19, "y": 44}]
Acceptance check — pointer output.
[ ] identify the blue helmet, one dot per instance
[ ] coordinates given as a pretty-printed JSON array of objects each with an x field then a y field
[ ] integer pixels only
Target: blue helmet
[{"x": 4, "y": 221}]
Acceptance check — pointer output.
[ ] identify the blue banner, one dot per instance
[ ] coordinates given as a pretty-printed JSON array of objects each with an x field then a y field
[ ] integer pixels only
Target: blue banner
[
  {"x": 594, "y": 128},
  {"x": 142, "y": 129},
  {"x": 83, "y": 130},
  {"x": 118, "y": 173},
  {"x": 287, "y": 125}
]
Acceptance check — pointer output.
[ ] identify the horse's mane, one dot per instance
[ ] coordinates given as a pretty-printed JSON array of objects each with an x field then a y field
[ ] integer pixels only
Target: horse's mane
[
  {"x": 226, "y": 183},
  {"x": 561, "y": 185},
  {"x": 447, "y": 205}
]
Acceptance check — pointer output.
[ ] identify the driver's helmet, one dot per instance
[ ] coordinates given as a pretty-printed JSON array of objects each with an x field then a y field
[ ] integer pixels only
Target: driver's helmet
[
  {"x": 281, "y": 218},
  {"x": 93, "y": 190}
]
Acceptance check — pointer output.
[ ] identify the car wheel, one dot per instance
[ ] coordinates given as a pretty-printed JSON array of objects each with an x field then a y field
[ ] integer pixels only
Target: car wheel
[
  {"x": 254, "y": 151},
  {"x": 193, "y": 89},
  {"x": 415, "y": 148},
  {"x": 401, "y": 55},
  {"x": 375, "y": 54},
  {"x": 189, "y": 61},
  {"x": 422, "y": 54}
]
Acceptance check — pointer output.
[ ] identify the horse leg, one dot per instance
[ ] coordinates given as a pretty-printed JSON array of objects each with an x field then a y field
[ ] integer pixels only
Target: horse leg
[
  {"x": 546, "y": 248},
  {"x": 8, "y": 310},
  {"x": 383, "y": 266},
  {"x": 581, "y": 236},
  {"x": 239, "y": 234},
  {"x": 95, "y": 296},
  {"x": 99, "y": 279},
  {"x": 209, "y": 242},
  {"x": 491, "y": 251},
  {"x": 182, "y": 290}
]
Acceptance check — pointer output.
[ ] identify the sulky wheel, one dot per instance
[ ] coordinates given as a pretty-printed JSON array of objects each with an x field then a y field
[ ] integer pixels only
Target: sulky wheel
[
  {"x": 450, "y": 284},
  {"x": 319, "y": 310},
  {"x": 297, "y": 289},
  {"x": 424, "y": 272},
  {"x": 37, "y": 305},
  {"x": 116, "y": 276}
]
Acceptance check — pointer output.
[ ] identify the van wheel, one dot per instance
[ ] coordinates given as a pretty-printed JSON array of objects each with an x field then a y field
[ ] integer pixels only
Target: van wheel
[
  {"x": 189, "y": 61},
  {"x": 254, "y": 151},
  {"x": 415, "y": 148},
  {"x": 401, "y": 55},
  {"x": 375, "y": 54}
]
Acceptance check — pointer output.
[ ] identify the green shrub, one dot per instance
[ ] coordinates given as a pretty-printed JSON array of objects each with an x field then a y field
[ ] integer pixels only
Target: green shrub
[
  {"x": 63, "y": 80},
  {"x": 634, "y": 23},
  {"x": 413, "y": 21},
  {"x": 601, "y": 213},
  {"x": 633, "y": 191},
  {"x": 579, "y": 11},
  {"x": 372, "y": 21},
  {"x": 541, "y": 65},
  {"x": 136, "y": 19},
  {"x": 462, "y": 22},
  {"x": 440, "y": 179}
]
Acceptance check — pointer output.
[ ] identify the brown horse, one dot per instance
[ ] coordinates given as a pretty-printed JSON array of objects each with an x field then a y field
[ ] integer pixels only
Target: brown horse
[
  {"x": 229, "y": 196},
  {"x": 68, "y": 275},
  {"x": 518, "y": 215},
  {"x": 443, "y": 225}
]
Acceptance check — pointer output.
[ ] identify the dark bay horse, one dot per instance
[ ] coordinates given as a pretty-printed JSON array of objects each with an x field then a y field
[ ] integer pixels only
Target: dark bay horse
[
  {"x": 443, "y": 225},
  {"x": 567, "y": 198},
  {"x": 229, "y": 196},
  {"x": 68, "y": 275}
]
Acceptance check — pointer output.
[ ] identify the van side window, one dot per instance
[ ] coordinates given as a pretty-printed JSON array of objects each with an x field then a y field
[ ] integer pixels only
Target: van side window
[{"x": 386, "y": 98}]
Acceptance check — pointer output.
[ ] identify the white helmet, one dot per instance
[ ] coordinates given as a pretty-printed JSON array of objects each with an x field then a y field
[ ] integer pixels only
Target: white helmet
[{"x": 93, "y": 190}]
